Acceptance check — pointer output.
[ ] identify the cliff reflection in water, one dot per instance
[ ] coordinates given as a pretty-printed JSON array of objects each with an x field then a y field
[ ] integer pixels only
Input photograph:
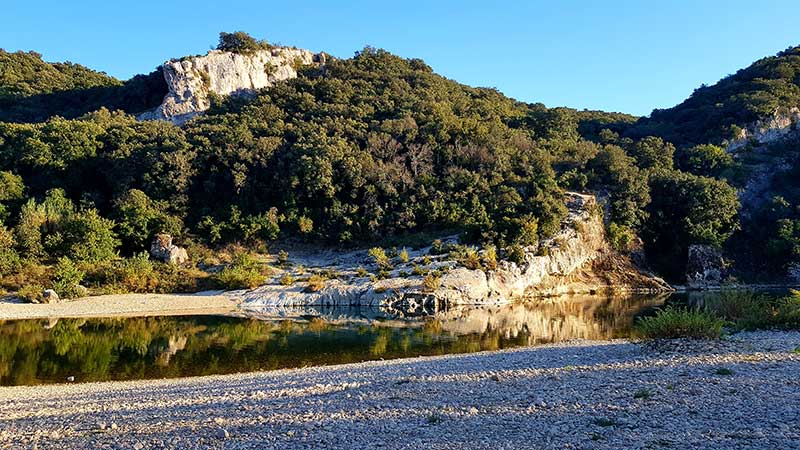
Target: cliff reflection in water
[
  {"x": 47, "y": 351},
  {"x": 553, "y": 320}
]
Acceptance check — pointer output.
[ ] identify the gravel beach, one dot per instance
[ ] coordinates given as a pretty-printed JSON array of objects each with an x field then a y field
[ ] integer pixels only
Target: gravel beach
[
  {"x": 122, "y": 305},
  {"x": 743, "y": 392}
]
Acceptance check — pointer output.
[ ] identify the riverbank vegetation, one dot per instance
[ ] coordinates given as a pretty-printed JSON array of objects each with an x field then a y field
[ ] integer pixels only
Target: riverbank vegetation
[{"x": 710, "y": 317}]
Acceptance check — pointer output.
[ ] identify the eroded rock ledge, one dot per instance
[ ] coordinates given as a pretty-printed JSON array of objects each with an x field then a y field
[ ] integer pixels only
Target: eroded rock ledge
[
  {"x": 576, "y": 260},
  {"x": 192, "y": 80}
]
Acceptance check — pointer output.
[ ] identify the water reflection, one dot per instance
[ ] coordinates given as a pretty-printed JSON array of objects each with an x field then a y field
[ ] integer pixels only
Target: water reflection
[{"x": 46, "y": 351}]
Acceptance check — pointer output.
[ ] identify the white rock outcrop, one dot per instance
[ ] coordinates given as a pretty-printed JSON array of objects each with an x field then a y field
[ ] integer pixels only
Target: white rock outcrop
[
  {"x": 768, "y": 129},
  {"x": 191, "y": 80}
]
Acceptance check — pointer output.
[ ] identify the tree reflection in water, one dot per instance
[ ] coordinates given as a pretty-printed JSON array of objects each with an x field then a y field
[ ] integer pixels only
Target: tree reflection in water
[{"x": 42, "y": 351}]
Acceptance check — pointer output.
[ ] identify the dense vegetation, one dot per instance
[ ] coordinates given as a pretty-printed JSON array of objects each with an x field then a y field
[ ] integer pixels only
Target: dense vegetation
[
  {"x": 371, "y": 149},
  {"x": 32, "y": 90}
]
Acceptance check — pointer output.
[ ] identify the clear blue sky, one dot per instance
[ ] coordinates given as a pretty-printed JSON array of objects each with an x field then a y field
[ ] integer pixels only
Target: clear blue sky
[{"x": 630, "y": 56}]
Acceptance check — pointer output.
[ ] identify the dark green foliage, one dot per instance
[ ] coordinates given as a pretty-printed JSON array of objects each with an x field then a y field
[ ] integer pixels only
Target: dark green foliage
[
  {"x": 139, "y": 219},
  {"x": 706, "y": 160},
  {"x": 240, "y": 42},
  {"x": 686, "y": 209},
  {"x": 32, "y": 90}
]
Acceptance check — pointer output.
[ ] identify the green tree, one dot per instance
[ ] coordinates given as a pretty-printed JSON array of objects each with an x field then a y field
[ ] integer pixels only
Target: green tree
[{"x": 687, "y": 209}]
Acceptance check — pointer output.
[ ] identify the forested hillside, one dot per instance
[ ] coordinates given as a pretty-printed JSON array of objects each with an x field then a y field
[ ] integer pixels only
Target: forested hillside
[
  {"x": 367, "y": 149},
  {"x": 713, "y": 114},
  {"x": 32, "y": 90}
]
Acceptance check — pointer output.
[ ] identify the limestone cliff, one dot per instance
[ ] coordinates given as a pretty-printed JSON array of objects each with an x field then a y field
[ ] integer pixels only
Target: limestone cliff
[
  {"x": 192, "y": 80},
  {"x": 780, "y": 124},
  {"x": 577, "y": 259}
]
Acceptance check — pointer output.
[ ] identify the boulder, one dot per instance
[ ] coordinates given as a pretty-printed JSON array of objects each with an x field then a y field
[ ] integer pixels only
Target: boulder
[
  {"x": 49, "y": 296},
  {"x": 164, "y": 250},
  {"x": 705, "y": 267}
]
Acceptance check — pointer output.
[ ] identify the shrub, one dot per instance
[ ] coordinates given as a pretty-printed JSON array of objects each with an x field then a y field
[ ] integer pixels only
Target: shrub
[
  {"x": 286, "y": 280},
  {"x": 361, "y": 272},
  {"x": 136, "y": 274},
  {"x": 315, "y": 283},
  {"x": 620, "y": 237},
  {"x": 305, "y": 225},
  {"x": 672, "y": 322},
  {"x": 490, "y": 257},
  {"x": 9, "y": 258},
  {"x": 283, "y": 257},
  {"x": 379, "y": 257},
  {"x": 418, "y": 270},
  {"x": 437, "y": 248},
  {"x": 31, "y": 293},
  {"x": 431, "y": 282},
  {"x": 66, "y": 278},
  {"x": 467, "y": 257},
  {"x": 240, "y": 42},
  {"x": 516, "y": 254},
  {"x": 403, "y": 255},
  {"x": 243, "y": 273},
  {"x": 89, "y": 238}
]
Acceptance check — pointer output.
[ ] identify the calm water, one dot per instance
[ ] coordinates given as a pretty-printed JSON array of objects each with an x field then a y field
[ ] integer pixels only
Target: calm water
[{"x": 50, "y": 351}]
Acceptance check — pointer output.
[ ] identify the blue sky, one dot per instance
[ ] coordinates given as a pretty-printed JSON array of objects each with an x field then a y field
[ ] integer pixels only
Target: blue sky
[{"x": 629, "y": 56}]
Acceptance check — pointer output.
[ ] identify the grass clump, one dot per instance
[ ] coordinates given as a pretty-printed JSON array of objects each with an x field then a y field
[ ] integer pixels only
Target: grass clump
[
  {"x": 751, "y": 311},
  {"x": 673, "y": 322},
  {"x": 643, "y": 394},
  {"x": 403, "y": 255},
  {"x": 286, "y": 280},
  {"x": 605, "y": 422},
  {"x": 315, "y": 283},
  {"x": 362, "y": 272}
]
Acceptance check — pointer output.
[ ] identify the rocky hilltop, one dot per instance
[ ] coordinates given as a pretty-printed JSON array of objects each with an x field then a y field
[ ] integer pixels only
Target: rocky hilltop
[
  {"x": 576, "y": 260},
  {"x": 192, "y": 80}
]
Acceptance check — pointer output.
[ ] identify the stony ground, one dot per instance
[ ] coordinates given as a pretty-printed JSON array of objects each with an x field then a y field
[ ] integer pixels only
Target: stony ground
[
  {"x": 119, "y": 305},
  {"x": 741, "y": 393}
]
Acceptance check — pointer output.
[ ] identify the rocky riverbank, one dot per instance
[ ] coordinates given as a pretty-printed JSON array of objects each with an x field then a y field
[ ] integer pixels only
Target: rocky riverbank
[
  {"x": 738, "y": 393},
  {"x": 576, "y": 260}
]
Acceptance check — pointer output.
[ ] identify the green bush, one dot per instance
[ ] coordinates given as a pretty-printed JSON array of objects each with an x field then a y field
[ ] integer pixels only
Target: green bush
[
  {"x": 243, "y": 273},
  {"x": 66, "y": 278},
  {"x": 240, "y": 42},
  {"x": 672, "y": 322},
  {"x": 380, "y": 258},
  {"x": 136, "y": 274}
]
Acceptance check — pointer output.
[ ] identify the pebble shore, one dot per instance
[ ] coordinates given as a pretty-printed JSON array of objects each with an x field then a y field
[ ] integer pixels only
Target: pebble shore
[{"x": 743, "y": 392}]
